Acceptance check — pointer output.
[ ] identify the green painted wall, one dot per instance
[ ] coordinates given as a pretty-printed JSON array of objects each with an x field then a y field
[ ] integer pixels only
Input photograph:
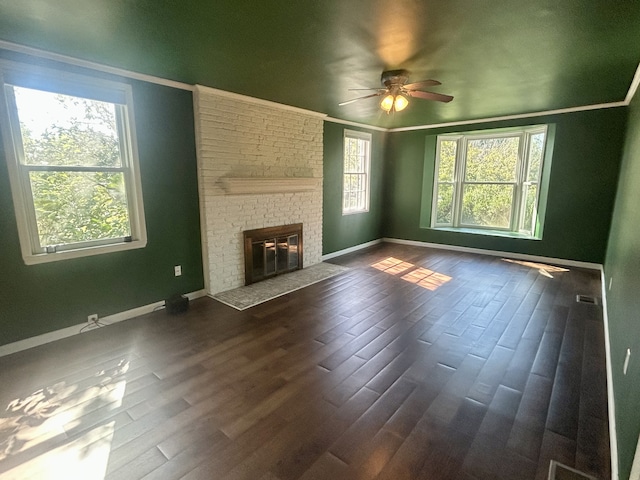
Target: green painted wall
[
  {"x": 623, "y": 265},
  {"x": 37, "y": 299},
  {"x": 344, "y": 231},
  {"x": 582, "y": 185}
]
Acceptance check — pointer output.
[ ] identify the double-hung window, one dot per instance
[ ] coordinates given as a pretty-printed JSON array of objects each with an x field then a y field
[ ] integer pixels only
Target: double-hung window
[
  {"x": 72, "y": 161},
  {"x": 357, "y": 159},
  {"x": 489, "y": 181}
]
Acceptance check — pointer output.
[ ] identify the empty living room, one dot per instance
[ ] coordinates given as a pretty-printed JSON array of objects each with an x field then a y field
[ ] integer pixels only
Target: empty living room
[{"x": 319, "y": 240}]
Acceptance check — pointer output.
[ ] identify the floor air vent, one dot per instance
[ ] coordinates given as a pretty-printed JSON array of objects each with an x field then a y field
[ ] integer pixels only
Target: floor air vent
[
  {"x": 558, "y": 471},
  {"x": 586, "y": 299}
]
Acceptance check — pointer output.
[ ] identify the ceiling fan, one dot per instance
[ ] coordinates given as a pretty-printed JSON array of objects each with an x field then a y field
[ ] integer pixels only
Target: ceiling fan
[{"x": 396, "y": 90}]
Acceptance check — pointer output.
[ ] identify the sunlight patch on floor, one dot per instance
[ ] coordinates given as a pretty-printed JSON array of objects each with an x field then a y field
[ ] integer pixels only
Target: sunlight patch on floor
[
  {"x": 426, "y": 278},
  {"x": 421, "y": 276},
  {"x": 392, "y": 265},
  {"x": 544, "y": 269},
  {"x": 84, "y": 458},
  {"x": 56, "y": 416}
]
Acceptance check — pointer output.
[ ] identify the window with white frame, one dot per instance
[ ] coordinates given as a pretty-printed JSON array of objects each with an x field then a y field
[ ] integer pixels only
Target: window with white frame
[
  {"x": 357, "y": 159},
  {"x": 72, "y": 160},
  {"x": 489, "y": 180}
]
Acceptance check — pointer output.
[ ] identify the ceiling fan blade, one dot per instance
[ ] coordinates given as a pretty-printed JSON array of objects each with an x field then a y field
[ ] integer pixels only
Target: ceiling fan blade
[
  {"x": 378, "y": 88},
  {"x": 422, "y": 84},
  {"x": 438, "y": 97},
  {"x": 360, "y": 98}
]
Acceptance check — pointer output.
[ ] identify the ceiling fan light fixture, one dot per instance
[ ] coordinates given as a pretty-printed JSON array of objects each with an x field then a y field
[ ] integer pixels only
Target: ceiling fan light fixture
[
  {"x": 394, "y": 103},
  {"x": 387, "y": 103},
  {"x": 400, "y": 103}
]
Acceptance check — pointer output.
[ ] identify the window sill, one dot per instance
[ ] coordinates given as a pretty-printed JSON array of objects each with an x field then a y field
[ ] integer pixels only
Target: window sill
[
  {"x": 35, "y": 259},
  {"x": 487, "y": 232},
  {"x": 354, "y": 212}
]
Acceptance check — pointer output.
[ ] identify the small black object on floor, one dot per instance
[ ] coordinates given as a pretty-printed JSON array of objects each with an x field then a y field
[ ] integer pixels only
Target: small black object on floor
[{"x": 176, "y": 304}]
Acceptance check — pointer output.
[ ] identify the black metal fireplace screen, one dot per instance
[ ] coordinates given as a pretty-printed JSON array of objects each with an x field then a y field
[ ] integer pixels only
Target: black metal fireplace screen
[{"x": 271, "y": 251}]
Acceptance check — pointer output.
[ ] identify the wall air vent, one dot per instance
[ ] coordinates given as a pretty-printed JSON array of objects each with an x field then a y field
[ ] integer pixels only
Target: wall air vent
[{"x": 587, "y": 299}]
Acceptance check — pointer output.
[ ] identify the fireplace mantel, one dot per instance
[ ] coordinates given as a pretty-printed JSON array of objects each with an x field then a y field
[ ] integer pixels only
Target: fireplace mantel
[{"x": 266, "y": 185}]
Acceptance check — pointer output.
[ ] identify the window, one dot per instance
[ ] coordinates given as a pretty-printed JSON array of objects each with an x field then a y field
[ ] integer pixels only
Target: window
[
  {"x": 489, "y": 181},
  {"x": 357, "y": 157},
  {"x": 72, "y": 158}
]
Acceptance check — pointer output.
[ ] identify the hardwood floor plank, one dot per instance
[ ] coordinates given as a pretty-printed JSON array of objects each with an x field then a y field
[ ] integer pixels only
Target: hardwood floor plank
[
  {"x": 558, "y": 448},
  {"x": 408, "y": 460},
  {"x": 366, "y": 427},
  {"x": 492, "y": 372},
  {"x": 501, "y": 415},
  {"x": 528, "y": 429},
  {"x": 139, "y": 466},
  {"x": 327, "y": 466},
  {"x": 371, "y": 458},
  {"x": 404, "y": 420},
  {"x": 360, "y": 377}
]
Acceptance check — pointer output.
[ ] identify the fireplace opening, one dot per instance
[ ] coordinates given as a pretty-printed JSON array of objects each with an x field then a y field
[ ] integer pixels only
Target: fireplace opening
[{"x": 272, "y": 251}]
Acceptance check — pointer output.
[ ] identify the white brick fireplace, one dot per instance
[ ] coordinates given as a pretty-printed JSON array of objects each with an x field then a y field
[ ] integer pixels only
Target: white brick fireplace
[{"x": 259, "y": 165}]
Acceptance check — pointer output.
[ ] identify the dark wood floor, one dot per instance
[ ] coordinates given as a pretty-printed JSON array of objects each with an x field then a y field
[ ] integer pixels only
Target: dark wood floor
[{"x": 416, "y": 363}]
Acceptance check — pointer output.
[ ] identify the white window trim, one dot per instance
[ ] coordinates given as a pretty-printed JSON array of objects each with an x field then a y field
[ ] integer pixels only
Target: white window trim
[
  {"x": 21, "y": 189},
  {"x": 522, "y": 169},
  {"x": 366, "y": 137}
]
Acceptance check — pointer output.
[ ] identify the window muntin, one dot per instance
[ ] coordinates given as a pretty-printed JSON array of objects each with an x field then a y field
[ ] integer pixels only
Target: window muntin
[
  {"x": 356, "y": 162},
  {"x": 72, "y": 163},
  {"x": 489, "y": 181}
]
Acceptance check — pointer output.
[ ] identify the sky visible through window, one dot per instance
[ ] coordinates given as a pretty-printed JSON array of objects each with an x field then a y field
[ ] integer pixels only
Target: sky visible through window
[{"x": 39, "y": 110}]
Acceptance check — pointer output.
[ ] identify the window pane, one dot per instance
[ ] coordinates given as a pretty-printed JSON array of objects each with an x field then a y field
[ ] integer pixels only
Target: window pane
[
  {"x": 536, "y": 146},
  {"x": 447, "y": 160},
  {"x": 487, "y": 205},
  {"x": 352, "y": 182},
  {"x": 354, "y": 155},
  {"x": 76, "y": 207},
  {"x": 492, "y": 159},
  {"x": 530, "y": 192},
  {"x": 64, "y": 130},
  {"x": 445, "y": 203},
  {"x": 349, "y": 201}
]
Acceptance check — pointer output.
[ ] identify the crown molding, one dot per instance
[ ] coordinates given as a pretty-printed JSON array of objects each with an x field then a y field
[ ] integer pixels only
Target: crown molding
[
  {"x": 544, "y": 113},
  {"x": 633, "y": 88},
  {"x": 355, "y": 124},
  {"x": 121, "y": 72}
]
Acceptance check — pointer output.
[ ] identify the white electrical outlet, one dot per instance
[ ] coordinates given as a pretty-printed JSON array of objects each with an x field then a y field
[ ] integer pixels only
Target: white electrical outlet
[
  {"x": 177, "y": 270},
  {"x": 93, "y": 318},
  {"x": 626, "y": 361}
]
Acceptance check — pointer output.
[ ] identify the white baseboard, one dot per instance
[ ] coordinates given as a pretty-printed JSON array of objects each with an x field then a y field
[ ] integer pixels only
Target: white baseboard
[
  {"x": 613, "y": 436},
  {"x": 496, "y": 253},
  {"x": 75, "y": 329},
  {"x": 351, "y": 249}
]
